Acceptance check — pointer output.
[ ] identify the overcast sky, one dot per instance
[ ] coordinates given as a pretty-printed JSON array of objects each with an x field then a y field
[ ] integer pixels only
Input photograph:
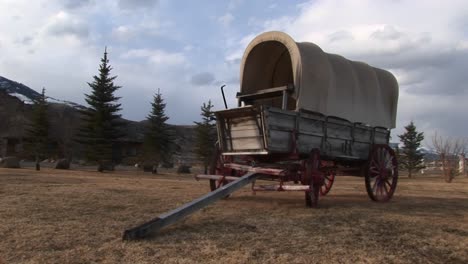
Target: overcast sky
[{"x": 188, "y": 49}]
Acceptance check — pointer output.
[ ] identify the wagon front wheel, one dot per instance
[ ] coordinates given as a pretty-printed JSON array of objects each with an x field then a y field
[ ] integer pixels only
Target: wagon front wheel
[
  {"x": 382, "y": 173},
  {"x": 314, "y": 177},
  {"x": 217, "y": 168}
]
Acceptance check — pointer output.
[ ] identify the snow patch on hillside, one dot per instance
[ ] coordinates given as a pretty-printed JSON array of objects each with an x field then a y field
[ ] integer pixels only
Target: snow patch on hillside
[{"x": 23, "y": 98}]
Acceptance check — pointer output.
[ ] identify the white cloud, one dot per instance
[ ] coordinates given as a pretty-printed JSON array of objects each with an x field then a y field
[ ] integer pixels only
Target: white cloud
[
  {"x": 124, "y": 33},
  {"x": 137, "y": 4},
  {"x": 65, "y": 24},
  {"x": 188, "y": 48},
  {"x": 72, "y": 4},
  {"x": 233, "y": 4},
  {"x": 462, "y": 45},
  {"x": 226, "y": 19},
  {"x": 159, "y": 57},
  {"x": 203, "y": 78},
  {"x": 236, "y": 52}
]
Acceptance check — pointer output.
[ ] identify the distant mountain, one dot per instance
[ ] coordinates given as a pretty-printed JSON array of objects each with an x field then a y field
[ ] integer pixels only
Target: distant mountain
[
  {"x": 27, "y": 95},
  {"x": 429, "y": 154},
  {"x": 19, "y": 90}
]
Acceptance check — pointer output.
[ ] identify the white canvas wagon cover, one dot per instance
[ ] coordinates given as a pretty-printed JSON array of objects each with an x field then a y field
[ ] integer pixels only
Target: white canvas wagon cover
[{"x": 325, "y": 83}]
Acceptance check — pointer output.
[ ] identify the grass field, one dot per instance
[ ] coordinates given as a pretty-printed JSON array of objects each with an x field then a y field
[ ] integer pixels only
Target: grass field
[{"x": 56, "y": 216}]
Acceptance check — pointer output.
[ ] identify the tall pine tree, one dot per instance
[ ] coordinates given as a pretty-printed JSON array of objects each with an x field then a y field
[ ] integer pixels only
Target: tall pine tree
[
  {"x": 158, "y": 139},
  {"x": 206, "y": 135},
  {"x": 101, "y": 121},
  {"x": 38, "y": 134},
  {"x": 410, "y": 157}
]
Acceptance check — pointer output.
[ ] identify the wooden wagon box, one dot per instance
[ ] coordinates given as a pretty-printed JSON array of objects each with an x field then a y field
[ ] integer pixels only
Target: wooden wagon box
[{"x": 263, "y": 130}]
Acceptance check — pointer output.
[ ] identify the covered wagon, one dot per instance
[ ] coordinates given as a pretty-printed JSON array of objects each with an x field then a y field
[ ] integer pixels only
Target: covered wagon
[
  {"x": 300, "y": 105},
  {"x": 303, "y": 117}
]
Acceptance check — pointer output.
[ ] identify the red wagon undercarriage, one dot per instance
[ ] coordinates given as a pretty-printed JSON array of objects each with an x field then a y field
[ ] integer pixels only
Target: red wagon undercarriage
[{"x": 312, "y": 175}]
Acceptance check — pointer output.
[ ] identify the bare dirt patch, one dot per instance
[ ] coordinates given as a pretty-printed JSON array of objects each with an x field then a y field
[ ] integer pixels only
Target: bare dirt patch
[{"x": 79, "y": 216}]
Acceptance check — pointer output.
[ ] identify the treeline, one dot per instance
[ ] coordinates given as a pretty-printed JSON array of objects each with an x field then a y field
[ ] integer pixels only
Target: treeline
[{"x": 102, "y": 127}]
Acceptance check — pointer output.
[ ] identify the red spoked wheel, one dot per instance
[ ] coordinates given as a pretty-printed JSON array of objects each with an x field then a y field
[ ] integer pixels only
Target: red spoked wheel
[
  {"x": 217, "y": 168},
  {"x": 329, "y": 178},
  {"x": 382, "y": 173},
  {"x": 314, "y": 178}
]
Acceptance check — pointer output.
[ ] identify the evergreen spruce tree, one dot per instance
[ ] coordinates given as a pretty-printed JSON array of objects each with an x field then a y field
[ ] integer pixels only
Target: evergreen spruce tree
[
  {"x": 206, "y": 135},
  {"x": 158, "y": 138},
  {"x": 411, "y": 158},
  {"x": 38, "y": 133},
  {"x": 101, "y": 119}
]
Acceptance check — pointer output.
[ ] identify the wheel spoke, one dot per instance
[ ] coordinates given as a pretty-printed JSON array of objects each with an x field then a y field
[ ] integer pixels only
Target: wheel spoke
[
  {"x": 385, "y": 188},
  {"x": 379, "y": 190},
  {"x": 388, "y": 183},
  {"x": 374, "y": 186},
  {"x": 374, "y": 169}
]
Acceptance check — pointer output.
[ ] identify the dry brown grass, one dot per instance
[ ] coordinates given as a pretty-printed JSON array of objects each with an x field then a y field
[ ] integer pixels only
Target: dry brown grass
[{"x": 75, "y": 217}]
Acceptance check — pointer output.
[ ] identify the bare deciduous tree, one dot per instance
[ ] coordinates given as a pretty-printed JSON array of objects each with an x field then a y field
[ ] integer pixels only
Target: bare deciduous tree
[{"x": 448, "y": 150}]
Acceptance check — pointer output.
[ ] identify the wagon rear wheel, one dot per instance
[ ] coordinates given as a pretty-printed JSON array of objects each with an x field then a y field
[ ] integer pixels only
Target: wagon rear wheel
[
  {"x": 314, "y": 177},
  {"x": 329, "y": 178},
  {"x": 381, "y": 174}
]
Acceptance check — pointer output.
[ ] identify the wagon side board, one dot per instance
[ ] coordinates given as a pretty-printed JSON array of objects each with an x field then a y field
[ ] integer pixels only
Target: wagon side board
[{"x": 270, "y": 130}]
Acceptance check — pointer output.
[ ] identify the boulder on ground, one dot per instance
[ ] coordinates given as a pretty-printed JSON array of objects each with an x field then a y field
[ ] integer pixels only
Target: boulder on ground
[
  {"x": 167, "y": 165},
  {"x": 147, "y": 167},
  {"x": 10, "y": 162},
  {"x": 183, "y": 169},
  {"x": 62, "y": 164},
  {"x": 106, "y": 165}
]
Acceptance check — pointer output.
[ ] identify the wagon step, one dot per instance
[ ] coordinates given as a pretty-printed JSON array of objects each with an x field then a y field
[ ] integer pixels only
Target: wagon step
[{"x": 173, "y": 216}]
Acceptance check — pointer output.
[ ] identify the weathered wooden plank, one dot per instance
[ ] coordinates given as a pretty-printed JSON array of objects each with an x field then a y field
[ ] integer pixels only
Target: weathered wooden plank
[
  {"x": 279, "y": 141},
  {"x": 339, "y": 131},
  {"x": 246, "y": 124},
  {"x": 306, "y": 143},
  {"x": 265, "y": 93},
  {"x": 381, "y": 135},
  {"x": 247, "y": 143},
  {"x": 307, "y": 125},
  {"x": 362, "y": 133},
  {"x": 248, "y": 120},
  {"x": 173, "y": 216},
  {"x": 245, "y": 133},
  {"x": 281, "y": 120},
  {"x": 244, "y": 127}
]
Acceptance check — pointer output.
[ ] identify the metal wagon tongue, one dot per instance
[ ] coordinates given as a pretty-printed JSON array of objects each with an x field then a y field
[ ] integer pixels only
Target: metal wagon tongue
[{"x": 175, "y": 215}]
